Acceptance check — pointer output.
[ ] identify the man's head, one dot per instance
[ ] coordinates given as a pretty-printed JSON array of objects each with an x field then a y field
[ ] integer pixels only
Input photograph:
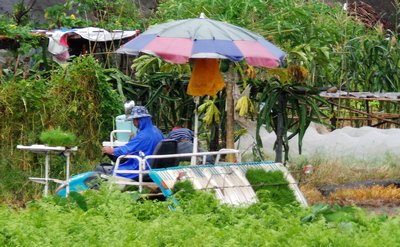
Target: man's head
[
  {"x": 137, "y": 112},
  {"x": 181, "y": 134}
]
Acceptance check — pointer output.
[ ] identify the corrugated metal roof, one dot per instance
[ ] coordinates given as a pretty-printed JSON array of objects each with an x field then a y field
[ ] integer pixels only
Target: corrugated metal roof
[{"x": 390, "y": 96}]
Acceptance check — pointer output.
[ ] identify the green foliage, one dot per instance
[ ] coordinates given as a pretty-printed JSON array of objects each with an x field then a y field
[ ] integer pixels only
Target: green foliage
[
  {"x": 56, "y": 16},
  {"x": 125, "y": 85},
  {"x": 10, "y": 29},
  {"x": 22, "y": 37},
  {"x": 229, "y": 11},
  {"x": 83, "y": 100},
  {"x": 184, "y": 186},
  {"x": 335, "y": 214},
  {"x": 15, "y": 189},
  {"x": 78, "y": 98},
  {"x": 271, "y": 186},
  {"x": 114, "y": 218},
  {"x": 58, "y": 137},
  {"x": 79, "y": 199},
  {"x": 20, "y": 109},
  {"x": 20, "y": 14},
  {"x": 373, "y": 60},
  {"x": 112, "y": 15}
]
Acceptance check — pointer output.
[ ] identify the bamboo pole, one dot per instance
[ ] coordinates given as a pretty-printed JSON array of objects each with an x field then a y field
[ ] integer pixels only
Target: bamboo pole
[{"x": 364, "y": 113}]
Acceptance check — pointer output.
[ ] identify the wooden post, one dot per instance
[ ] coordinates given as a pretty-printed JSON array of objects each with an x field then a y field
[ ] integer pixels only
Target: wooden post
[{"x": 369, "y": 121}]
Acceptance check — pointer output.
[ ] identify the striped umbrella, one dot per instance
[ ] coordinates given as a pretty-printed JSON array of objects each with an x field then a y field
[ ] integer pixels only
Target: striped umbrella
[{"x": 178, "y": 41}]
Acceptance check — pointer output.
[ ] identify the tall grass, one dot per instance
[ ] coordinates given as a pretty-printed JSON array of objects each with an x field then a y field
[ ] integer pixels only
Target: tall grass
[{"x": 328, "y": 170}]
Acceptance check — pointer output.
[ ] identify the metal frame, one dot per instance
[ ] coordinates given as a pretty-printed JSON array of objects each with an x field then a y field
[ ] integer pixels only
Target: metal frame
[
  {"x": 143, "y": 163},
  {"x": 113, "y": 141},
  {"x": 47, "y": 151}
]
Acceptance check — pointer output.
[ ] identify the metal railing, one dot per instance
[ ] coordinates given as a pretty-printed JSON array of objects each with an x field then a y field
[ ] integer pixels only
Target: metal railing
[{"x": 144, "y": 165}]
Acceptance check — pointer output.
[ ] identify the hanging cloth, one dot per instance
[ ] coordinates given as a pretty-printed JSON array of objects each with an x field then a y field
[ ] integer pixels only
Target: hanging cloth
[{"x": 206, "y": 79}]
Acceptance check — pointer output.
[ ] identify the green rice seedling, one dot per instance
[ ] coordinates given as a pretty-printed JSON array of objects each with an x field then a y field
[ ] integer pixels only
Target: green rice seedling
[
  {"x": 185, "y": 186},
  {"x": 58, "y": 137},
  {"x": 271, "y": 186}
]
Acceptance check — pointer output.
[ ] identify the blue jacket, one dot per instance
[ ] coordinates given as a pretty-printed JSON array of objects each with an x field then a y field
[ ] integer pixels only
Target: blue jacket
[{"x": 147, "y": 138}]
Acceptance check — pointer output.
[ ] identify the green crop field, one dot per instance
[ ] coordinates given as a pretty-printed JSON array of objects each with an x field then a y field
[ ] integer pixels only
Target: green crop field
[{"x": 112, "y": 218}]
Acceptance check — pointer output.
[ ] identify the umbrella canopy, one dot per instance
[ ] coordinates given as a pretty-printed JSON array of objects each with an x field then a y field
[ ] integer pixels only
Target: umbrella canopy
[{"x": 180, "y": 40}]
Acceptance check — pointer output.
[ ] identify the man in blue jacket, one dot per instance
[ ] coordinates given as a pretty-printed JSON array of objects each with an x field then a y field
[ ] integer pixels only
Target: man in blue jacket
[{"x": 148, "y": 136}]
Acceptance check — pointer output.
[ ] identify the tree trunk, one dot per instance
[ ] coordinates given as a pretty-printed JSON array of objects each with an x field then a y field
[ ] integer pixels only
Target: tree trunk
[{"x": 280, "y": 128}]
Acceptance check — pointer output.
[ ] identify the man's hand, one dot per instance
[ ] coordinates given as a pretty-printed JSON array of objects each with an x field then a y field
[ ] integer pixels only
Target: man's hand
[{"x": 108, "y": 150}]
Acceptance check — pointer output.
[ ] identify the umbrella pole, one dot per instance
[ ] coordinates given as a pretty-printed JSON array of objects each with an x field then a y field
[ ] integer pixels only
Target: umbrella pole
[
  {"x": 196, "y": 126},
  {"x": 230, "y": 114}
]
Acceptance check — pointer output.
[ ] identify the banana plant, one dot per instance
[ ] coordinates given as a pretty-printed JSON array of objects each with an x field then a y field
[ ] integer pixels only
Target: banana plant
[
  {"x": 123, "y": 84},
  {"x": 210, "y": 111},
  {"x": 287, "y": 107}
]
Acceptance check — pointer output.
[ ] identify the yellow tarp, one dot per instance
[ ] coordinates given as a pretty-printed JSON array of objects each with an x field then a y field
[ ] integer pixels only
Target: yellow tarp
[{"x": 206, "y": 79}]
